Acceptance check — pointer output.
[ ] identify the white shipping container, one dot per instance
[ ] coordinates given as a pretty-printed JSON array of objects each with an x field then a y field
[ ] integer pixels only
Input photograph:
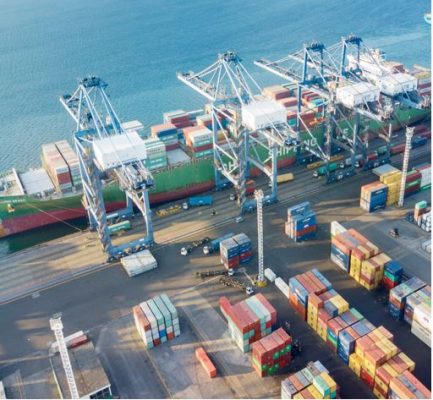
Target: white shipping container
[
  {"x": 284, "y": 288},
  {"x": 395, "y": 84},
  {"x": 337, "y": 228},
  {"x": 421, "y": 333},
  {"x": 262, "y": 114},
  {"x": 357, "y": 94},
  {"x": 270, "y": 275},
  {"x": 138, "y": 263},
  {"x": 112, "y": 151}
]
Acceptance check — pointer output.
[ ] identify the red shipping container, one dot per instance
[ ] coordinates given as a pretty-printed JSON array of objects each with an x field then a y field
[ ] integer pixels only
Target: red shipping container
[
  {"x": 172, "y": 146},
  {"x": 156, "y": 342},
  {"x": 183, "y": 124},
  {"x": 202, "y": 148},
  {"x": 367, "y": 379},
  {"x": 206, "y": 363}
]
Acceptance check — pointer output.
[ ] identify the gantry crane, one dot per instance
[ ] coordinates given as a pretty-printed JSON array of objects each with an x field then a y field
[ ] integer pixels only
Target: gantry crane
[
  {"x": 105, "y": 149},
  {"x": 251, "y": 121},
  {"x": 353, "y": 82}
]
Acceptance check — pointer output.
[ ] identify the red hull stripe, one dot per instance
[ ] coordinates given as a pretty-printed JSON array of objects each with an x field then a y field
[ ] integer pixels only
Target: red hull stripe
[{"x": 25, "y": 223}]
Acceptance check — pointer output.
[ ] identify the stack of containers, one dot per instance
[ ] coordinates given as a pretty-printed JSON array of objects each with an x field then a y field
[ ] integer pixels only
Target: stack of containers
[
  {"x": 229, "y": 253},
  {"x": 302, "y": 285},
  {"x": 349, "y": 249},
  {"x": 399, "y": 294},
  {"x": 393, "y": 181},
  {"x": 56, "y": 168},
  {"x": 413, "y": 183},
  {"x": 374, "y": 349},
  {"x": 392, "y": 274},
  {"x": 289, "y": 102},
  {"x": 156, "y": 320},
  {"x": 301, "y": 222},
  {"x": 312, "y": 382},
  {"x": 373, "y": 196},
  {"x": 425, "y": 171},
  {"x": 393, "y": 368},
  {"x": 347, "y": 341},
  {"x": 272, "y": 353},
  {"x": 167, "y": 133},
  {"x": 424, "y": 222},
  {"x": 406, "y": 386},
  {"x": 156, "y": 154},
  {"x": 200, "y": 140},
  {"x": 71, "y": 160},
  {"x": 372, "y": 271},
  {"x": 179, "y": 118},
  {"x": 424, "y": 81},
  {"x": 245, "y": 247},
  {"x": 276, "y": 92},
  {"x": 420, "y": 296},
  {"x": 248, "y": 321},
  {"x": 204, "y": 120},
  {"x": 420, "y": 209},
  {"x": 421, "y": 322}
]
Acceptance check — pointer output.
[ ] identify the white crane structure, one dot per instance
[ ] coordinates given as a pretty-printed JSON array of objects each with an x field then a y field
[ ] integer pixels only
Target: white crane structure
[
  {"x": 57, "y": 327},
  {"x": 259, "y": 198},
  {"x": 246, "y": 120},
  {"x": 406, "y": 155}
]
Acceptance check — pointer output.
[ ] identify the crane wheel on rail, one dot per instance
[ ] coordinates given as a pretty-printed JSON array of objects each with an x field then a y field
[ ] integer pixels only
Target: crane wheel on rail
[{"x": 260, "y": 284}]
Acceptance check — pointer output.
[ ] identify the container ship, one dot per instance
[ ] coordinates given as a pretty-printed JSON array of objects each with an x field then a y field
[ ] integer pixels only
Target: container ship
[{"x": 179, "y": 154}]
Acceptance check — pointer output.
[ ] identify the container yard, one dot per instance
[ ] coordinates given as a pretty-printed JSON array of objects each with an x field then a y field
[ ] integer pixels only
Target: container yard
[{"x": 209, "y": 271}]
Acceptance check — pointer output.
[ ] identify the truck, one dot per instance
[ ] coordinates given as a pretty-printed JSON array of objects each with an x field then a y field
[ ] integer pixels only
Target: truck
[
  {"x": 184, "y": 251},
  {"x": 120, "y": 226},
  {"x": 216, "y": 272},
  {"x": 214, "y": 245},
  {"x": 283, "y": 178},
  {"x": 322, "y": 170},
  {"x": 197, "y": 201},
  {"x": 233, "y": 282}
]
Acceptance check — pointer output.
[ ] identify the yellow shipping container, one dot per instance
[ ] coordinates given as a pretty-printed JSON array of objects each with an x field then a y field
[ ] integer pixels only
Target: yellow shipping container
[
  {"x": 322, "y": 329},
  {"x": 379, "y": 382},
  {"x": 298, "y": 396},
  {"x": 312, "y": 389},
  {"x": 331, "y": 383},
  {"x": 355, "y": 362},
  {"x": 409, "y": 362}
]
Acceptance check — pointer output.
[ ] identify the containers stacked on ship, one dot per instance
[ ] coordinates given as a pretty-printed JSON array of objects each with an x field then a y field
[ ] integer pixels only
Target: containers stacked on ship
[
  {"x": 245, "y": 247},
  {"x": 312, "y": 382},
  {"x": 373, "y": 196},
  {"x": 156, "y": 154},
  {"x": 393, "y": 181},
  {"x": 399, "y": 294},
  {"x": 166, "y": 133},
  {"x": 406, "y": 386},
  {"x": 248, "y": 321},
  {"x": 392, "y": 275},
  {"x": 303, "y": 285},
  {"x": 71, "y": 160},
  {"x": 423, "y": 77},
  {"x": 301, "y": 222},
  {"x": 276, "y": 92},
  {"x": 56, "y": 167},
  {"x": 425, "y": 171},
  {"x": 199, "y": 140},
  {"x": 179, "y": 118},
  {"x": 156, "y": 320},
  {"x": 204, "y": 120},
  {"x": 229, "y": 253},
  {"x": 413, "y": 183},
  {"x": 271, "y": 353}
]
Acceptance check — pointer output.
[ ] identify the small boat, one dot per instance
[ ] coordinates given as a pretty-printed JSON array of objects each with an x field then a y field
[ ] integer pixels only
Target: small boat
[{"x": 427, "y": 18}]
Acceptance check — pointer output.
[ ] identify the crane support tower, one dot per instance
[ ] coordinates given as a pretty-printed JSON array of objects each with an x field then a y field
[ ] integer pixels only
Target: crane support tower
[
  {"x": 259, "y": 198},
  {"x": 406, "y": 155},
  {"x": 105, "y": 149},
  {"x": 245, "y": 120},
  {"x": 57, "y": 327}
]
